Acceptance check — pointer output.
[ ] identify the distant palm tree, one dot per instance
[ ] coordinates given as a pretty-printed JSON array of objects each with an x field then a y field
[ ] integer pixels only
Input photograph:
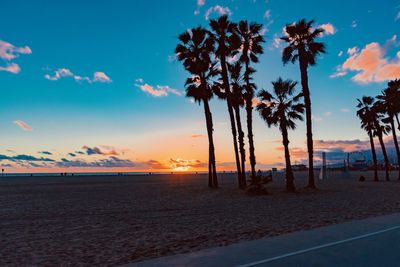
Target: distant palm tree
[
  {"x": 251, "y": 39},
  {"x": 302, "y": 46},
  {"x": 282, "y": 108},
  {"x": 368, "y": 117},
  {"x": 380, "y": 129},
  {"x": 194, "y": 50},
  {"x": 223, "y": 33},
  {"x": 389, "y": 102}
]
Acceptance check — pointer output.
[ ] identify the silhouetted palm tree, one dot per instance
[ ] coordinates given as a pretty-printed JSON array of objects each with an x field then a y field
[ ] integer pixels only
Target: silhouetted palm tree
[
  {"x": 380, "y": 129},
  {"x": 251, "y": 40},
  {"x": 194, "y": 50},
  {"x": 282, "y": 108},
  {"x": 302, "y": 46},
  {"x": 368, "y": 117},
  {"x": 223, "y": 32},
  {"x": 390, "y": 106},
  {"x": 394, "y": 87},
  {"x": 238, "y": 102}
]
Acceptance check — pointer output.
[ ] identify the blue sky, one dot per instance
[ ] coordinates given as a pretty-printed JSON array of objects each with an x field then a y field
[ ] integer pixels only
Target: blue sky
[{"x": 131, "y": 43}]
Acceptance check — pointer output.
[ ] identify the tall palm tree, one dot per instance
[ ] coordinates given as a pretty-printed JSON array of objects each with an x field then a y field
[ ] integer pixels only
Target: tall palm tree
[
  {"x": 303, "y": 47},
  {"x": 394, "y": 87},
  {"x": 194, "y": 50},
  {"x": 390, "y": 105},
  {"x": 251, "y": 40},
  {"x": 237, "y": 85},
  {"x": 368, "y": 118},
  {"x": 237, "y": 102},
  {"x": 282, "y": 108},
  {"x": 223, "y": 33},
  {"x": 380, "y": 129}
]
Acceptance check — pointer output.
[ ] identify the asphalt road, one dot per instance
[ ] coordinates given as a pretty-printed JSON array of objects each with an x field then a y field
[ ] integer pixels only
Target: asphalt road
[{"x": 369, "y": 242}]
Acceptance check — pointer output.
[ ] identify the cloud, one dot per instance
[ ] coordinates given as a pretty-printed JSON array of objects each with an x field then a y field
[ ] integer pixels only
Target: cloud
[
  {"x": 316, "y": 118},
  {"x": 98, "y": 151},
  {"x": 185, "y": 164},
  {"x": 397, "y": 16},
  {"x": 10, "y": 52},
  {"x": 158, "y": 91},
  {"x": 217, "y": 9},
  {"x": 98, "y": 76},
  {"x": 340, "y": 54},
  {"x": 345, "y": 110},
  {"x": 23, "y": 157},
  {"x": 197, "y": 136},
  {"x": 112, "y": 162},
  {"x": 45, "y": 152},
  {"x": 12, "y": 68},
  {"x": 328, "y": 113},
  {"x": 329, "y": 29},
  {"x": 371, "y": 63},
  {"x": 23, "y": 125},
  {"x": 267, "y": 14},
  {"x": 156, "y": 165},
  {"x": 354, "y": 24}
]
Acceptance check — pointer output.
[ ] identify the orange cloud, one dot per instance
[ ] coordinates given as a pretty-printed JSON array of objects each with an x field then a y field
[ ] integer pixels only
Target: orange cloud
[
  {"x": 371, "y": 63},
  {"x": 329, "y": 28}
]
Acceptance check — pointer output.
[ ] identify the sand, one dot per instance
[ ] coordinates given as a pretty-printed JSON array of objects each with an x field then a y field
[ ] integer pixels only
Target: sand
[{"x": 111, "y": 220}]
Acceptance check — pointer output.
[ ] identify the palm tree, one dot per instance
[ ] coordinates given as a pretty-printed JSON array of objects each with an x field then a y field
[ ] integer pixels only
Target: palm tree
[
  {"x": 394, "y": 87},
  {"x": 388, "y": 101},
  {"x": 303, "y": 47},
  {"x": 380, "y": 129},
  {"x": 250, "y": 42},
  {"x": 368, "y": 118},
  {"x": 194, "y": 50},
  {"x": 238, "y": 102},
  {"x": 282, "y": 108},
  {"x": 223, "y": 33}
]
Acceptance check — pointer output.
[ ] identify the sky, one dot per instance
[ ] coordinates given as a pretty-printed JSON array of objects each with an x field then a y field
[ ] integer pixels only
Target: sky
[{"x": 95, "y": 85}]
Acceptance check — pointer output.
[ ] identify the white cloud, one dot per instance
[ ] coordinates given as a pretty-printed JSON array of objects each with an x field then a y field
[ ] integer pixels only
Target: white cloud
[
  {"x": 340, "y": 54},
  {"x": 397, "y": 16},
  {"x": 267, "y": 14},
  {"x": 98, "y": 76},
  {"x": 12, "y": 68},
  {"x": 220, "y": 10},
  {"x": 158, "y": 90},
  {"x": 345, "y": 110},
  {"x": 354, "y": 24},
  {"x": 8, "y": 52},
  {"x": 328, "y": 113}
]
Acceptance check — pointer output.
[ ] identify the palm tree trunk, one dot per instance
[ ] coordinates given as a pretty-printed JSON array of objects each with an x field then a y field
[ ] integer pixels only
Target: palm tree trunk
[
  {"x": 249, "y": 114},
  {"x": 289, "y": 172},
  {"x": 396, "y": 144},
  {"x": 212, "y": 176},
  {"x": 307, "y": 103},
  {"x": 385, "y": 156},
  {"x": 231, "y": 114},
  {"x": 371, "y": 140},
  {"x": 242, "y": 184}
]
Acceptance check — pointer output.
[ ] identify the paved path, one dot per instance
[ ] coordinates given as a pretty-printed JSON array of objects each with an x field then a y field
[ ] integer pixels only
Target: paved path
[{"x": 369, "y": 242}]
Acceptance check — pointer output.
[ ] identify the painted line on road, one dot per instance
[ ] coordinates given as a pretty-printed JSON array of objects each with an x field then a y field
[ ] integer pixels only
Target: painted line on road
[{"x": 319, "y": 247}]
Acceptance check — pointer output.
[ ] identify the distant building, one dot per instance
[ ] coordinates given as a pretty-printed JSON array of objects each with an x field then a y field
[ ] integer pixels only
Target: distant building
[{"x": 299, "y": 167}]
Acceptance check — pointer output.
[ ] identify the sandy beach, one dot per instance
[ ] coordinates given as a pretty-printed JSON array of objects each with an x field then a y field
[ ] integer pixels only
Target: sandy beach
[{"x": 112, "y": 220}]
